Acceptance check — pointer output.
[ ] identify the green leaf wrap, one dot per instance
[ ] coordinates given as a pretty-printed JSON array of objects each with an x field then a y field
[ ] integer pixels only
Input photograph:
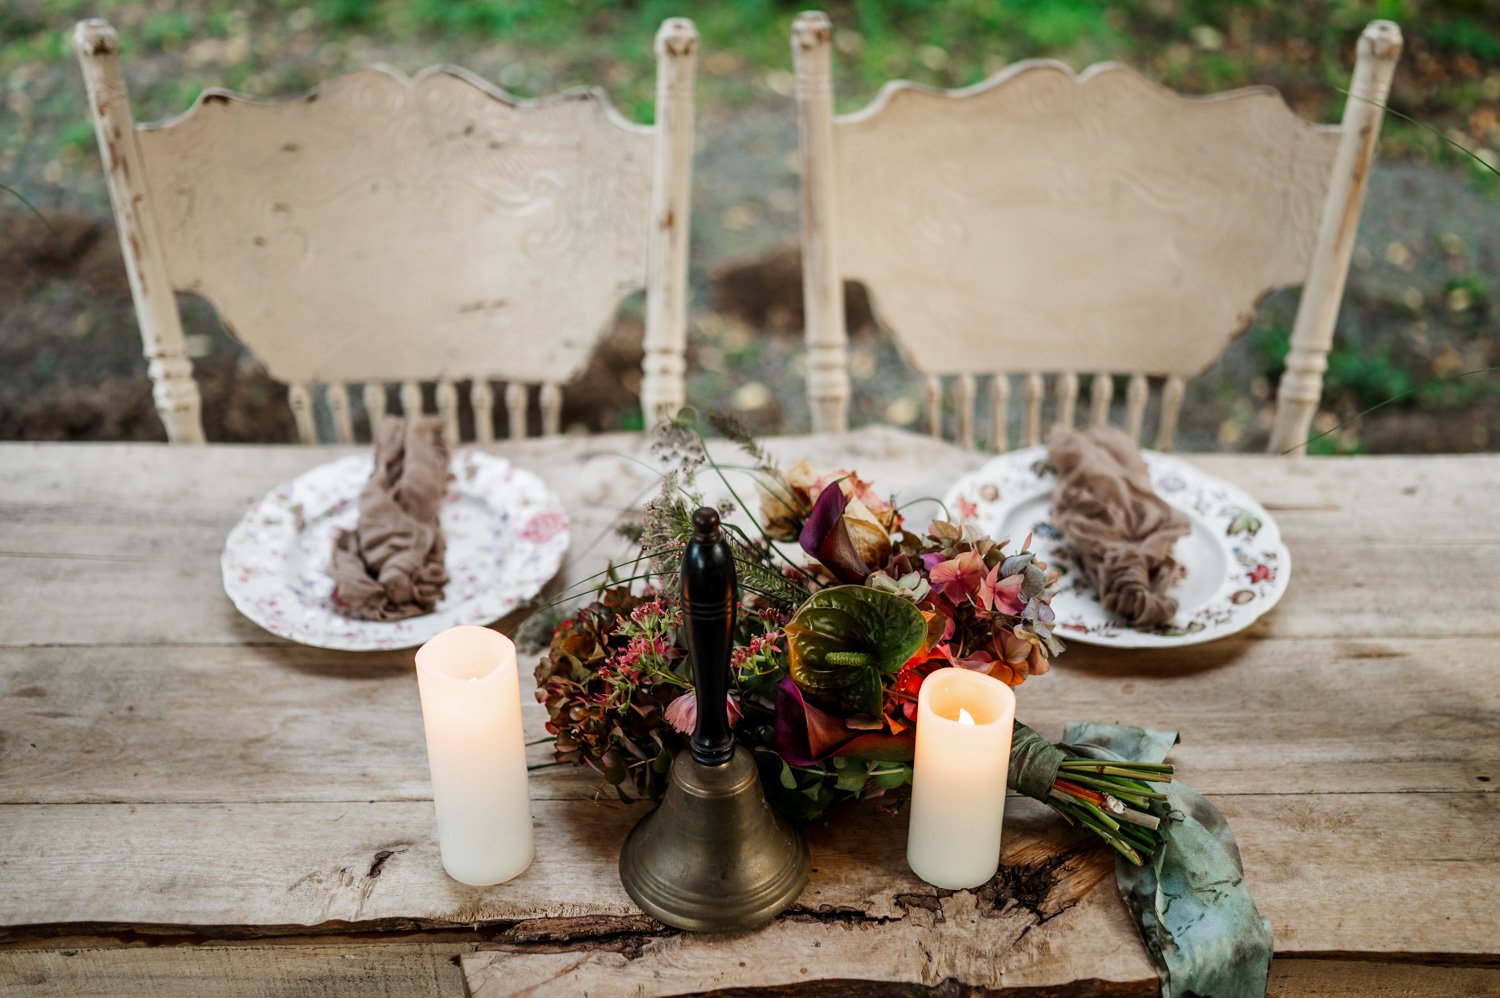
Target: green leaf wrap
[{"x": 1033, "y": 763}]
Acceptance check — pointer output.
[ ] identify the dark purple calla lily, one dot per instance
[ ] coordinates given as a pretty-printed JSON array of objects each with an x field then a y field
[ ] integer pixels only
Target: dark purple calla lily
[
  {"x": 807, "y": 735},
  {"x": 825, "y": 537}
]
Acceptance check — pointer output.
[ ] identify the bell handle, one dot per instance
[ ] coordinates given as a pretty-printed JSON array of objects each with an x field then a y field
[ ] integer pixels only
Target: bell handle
[{"x": 709, "y": 602}]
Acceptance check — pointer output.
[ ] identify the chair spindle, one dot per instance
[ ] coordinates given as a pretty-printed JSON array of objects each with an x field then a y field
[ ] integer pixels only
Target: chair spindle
[
  {"x": 1067, "y": 398},
  {"x": 1034, "y": 392},
  {"x": 999, "y": 412},
  {"x": 1135, "y": 405},
  {"x": 376, "y": 400},
  {"x": 300, "y": 400},
  {"x": 1103, "y": 390},
  {"x": 516, "y": 398},
  {"x": 550, "y": 400},
  {"x": 411, "y": 399},
  {"x": 1171, "y": 405},
  {"x": 934, "y": 405},
  {"x": 482, "y": 398},
  {"x": 965, "y": 398},
  {"x": 446, "y": 397},
  {"x": 337, "y": 393}
]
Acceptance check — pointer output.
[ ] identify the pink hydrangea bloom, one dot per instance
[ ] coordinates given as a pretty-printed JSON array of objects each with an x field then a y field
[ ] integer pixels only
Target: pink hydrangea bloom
[{"x": 958, "y": 578}]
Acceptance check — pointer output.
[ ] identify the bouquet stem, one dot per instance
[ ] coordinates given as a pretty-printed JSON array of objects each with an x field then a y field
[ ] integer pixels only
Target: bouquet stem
[{"x": 1112, "y": 799}]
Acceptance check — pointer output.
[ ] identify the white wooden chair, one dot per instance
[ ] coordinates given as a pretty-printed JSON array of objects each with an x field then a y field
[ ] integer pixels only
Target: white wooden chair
[
  {"x": 384, "y": 230},
  {"x": 1044, "y": 222}
]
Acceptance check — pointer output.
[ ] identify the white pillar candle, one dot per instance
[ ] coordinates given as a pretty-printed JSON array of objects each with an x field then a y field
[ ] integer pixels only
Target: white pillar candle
[
  {"x": 471, "y": 709},
  {"x": 964, "y": 724}
]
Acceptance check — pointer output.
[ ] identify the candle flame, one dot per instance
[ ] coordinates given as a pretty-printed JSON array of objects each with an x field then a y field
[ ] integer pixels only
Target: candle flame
[{"x": 964, "y": 717}]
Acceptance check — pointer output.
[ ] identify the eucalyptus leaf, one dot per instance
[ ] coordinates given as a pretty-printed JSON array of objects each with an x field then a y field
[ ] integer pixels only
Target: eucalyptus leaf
[
  {"x": 851, "y": 779},
  {"x": 844, "y": 639}
]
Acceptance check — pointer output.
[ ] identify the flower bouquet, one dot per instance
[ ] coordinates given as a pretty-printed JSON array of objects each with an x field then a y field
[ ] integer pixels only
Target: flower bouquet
[{"x": 833, "y": 643}]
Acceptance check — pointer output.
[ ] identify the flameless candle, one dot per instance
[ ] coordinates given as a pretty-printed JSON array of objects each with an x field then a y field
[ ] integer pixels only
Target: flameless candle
[
  {"x": 471, "y": 709},
  {"x": 964, "y": 724}
]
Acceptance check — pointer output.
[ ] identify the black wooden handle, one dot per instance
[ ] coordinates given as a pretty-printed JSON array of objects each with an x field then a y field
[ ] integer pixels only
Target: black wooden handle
[{"x": 708, "y": 603}]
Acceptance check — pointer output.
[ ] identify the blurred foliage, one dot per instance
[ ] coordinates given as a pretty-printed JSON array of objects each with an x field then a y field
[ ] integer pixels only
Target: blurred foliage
[{"x": 1448, "y": 77}]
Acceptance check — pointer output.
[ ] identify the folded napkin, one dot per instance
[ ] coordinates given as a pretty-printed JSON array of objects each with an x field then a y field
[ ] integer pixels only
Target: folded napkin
[
  {"x": 390, "y": 566},
  {"x": 1120, "y": 530}
]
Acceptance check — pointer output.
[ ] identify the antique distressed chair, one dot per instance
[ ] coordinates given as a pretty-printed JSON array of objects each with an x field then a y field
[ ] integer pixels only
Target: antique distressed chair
[
  {"x": 389, "y": 231},
  {"x": 1044, "y": 222}
]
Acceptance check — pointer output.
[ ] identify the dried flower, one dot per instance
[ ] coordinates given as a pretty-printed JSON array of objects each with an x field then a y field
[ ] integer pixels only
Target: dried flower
[{"x": 682, "y": 713}]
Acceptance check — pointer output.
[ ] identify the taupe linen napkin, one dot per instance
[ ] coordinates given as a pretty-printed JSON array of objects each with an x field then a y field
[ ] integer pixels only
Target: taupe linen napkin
[
  {"x": 390, "y": 566},
  {"x": 1120, "y": 530}
]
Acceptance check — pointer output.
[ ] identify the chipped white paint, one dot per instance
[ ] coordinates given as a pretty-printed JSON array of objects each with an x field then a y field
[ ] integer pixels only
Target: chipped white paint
[
  {"x": 1072, "y": 223},
  {"x": 665, "y": 341},
  {"x": 431, "y": 228},
  {"x": 173, "y": 388}
]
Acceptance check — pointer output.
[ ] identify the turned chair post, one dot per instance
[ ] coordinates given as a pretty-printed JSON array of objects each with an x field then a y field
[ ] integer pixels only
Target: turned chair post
[
  {"x": 822, "y": 285},
  {"x": 1301, "y": 385},
  {"x": 173, "y": 388},
  {"x": 663, "y": 390}
]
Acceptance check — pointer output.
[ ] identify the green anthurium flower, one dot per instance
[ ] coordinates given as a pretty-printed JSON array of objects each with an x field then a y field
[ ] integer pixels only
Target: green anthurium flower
[{"x": 844, "y": 640}]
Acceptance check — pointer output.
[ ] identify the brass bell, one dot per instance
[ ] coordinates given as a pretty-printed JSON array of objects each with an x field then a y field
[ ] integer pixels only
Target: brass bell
[{"x": 714, "y": 857}]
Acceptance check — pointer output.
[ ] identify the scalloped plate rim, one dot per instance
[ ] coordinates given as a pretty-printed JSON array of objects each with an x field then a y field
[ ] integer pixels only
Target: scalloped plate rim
[
  {"x": 540, "y": 553},
  {"x": 1243, "y": 616}
]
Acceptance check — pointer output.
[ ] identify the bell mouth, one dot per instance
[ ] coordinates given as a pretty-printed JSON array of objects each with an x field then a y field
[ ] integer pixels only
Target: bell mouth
[{"x": 714, "y": 856}]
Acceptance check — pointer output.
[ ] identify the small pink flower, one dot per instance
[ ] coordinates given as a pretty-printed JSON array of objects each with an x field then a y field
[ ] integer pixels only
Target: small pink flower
[
  {"x": 682, "y": 713},
  {"x": 999, "y": 594},
  {"x": 958, "y": 578}
]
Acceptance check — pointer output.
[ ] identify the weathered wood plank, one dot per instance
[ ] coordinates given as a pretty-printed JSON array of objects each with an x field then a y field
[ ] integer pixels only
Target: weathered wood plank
[
  {"x": 288, "y": 723},
  {"x": 962, "y": 938},
  {"x": 1338, "y": 589},
  {"x": 1359, "y": 979},
  {"x": 915, "y": 950},
  {"x": 358, "y": 969},
  {"x": 353, "y": 970},
  {"x": 165, "y": 763},
  {"x": 1433, "y": 499},
  {"x": 1335, "y": 873}
]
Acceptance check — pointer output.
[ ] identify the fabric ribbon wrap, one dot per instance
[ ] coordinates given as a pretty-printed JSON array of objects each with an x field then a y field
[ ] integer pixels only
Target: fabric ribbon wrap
[
  {"x": 1190, "y": 902},
  {"x": 1033, "y": 763},
  {"x": 390, "y": 566},
  {"x": 1118, "y": 527}
]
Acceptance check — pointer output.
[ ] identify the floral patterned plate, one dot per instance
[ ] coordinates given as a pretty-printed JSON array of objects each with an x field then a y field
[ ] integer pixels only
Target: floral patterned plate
[
  {"x": 1231, "y": 568},
  {"x": 506, "y": 537}
]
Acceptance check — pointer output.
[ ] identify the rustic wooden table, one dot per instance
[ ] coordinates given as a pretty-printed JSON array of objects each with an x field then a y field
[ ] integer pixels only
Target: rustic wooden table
[{"x": 189, "y": 805}]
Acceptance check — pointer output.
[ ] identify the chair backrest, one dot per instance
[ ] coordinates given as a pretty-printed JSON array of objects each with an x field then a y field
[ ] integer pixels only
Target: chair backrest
[
  {"x": 384, "y": 230},
  {"x": 1047, "y": 222}
]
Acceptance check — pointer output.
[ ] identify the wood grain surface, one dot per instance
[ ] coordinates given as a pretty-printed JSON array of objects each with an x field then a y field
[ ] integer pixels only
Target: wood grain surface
[{"x": 185, "y": 798}]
